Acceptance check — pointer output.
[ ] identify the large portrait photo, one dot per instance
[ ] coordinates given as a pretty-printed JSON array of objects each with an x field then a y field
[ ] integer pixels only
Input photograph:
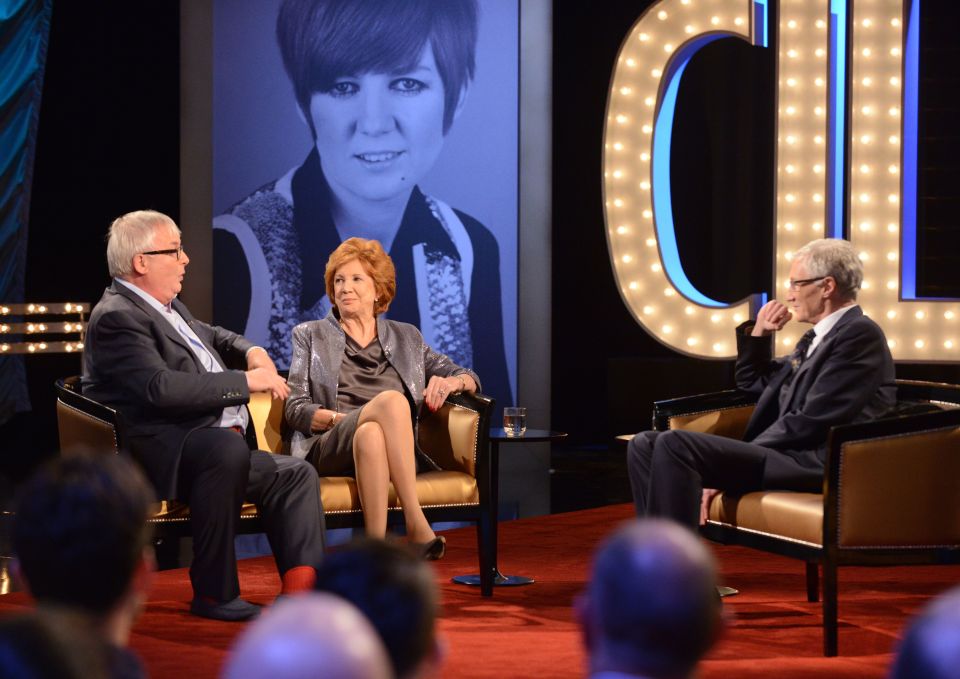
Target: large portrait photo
[{"x": 392, "y": 120}]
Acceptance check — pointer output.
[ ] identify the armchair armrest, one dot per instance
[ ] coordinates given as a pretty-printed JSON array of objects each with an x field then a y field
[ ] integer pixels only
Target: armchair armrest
[
  {"x": 891, "y": 482},
  {"x": 456, "y": 436},
  {"x": 725, "y": 413}
]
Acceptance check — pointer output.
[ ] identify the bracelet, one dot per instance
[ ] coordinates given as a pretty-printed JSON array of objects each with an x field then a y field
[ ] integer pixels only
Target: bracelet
[
  {"x": 333, "y": 420},
  {"x": 463, "y": 385}
]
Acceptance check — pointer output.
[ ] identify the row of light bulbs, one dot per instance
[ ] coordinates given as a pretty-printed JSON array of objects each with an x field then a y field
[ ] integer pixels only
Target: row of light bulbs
[
  {"x": 40, "y": 347},
  {"x": 47, "y": 308},
  {"x": 32, "y": 328}
]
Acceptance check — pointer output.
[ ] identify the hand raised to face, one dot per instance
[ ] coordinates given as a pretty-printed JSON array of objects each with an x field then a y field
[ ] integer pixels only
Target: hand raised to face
[{"x": 772, "y": 317}]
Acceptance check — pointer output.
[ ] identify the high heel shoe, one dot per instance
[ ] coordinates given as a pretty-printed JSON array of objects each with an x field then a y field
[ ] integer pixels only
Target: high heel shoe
[{"x": 432, "y": 550}]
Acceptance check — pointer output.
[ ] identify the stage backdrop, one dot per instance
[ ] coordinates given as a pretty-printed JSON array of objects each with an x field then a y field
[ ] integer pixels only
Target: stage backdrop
[
  {"x": 281, "y": 197},
  {"x": 24, "y": 27}
]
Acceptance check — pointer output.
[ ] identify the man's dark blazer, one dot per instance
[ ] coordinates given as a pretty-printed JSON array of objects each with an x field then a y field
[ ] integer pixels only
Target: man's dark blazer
[
  {"x": 848, "y": 378},
  {"x": 138, "y": 363}
]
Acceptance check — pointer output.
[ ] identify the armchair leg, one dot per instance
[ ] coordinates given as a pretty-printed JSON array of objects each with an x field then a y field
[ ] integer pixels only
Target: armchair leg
[
  {"x": 813, "y": 581},
  {"x": 829, "y": 607},
  {"x": 487, "y": 547},
  {"x": 167, "y": 551}
]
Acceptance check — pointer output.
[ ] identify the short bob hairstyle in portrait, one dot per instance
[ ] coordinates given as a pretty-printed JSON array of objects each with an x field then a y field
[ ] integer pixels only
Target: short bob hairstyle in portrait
[
  {"x": 375, "y": 262},
  {"x": 322, "y": 40}
]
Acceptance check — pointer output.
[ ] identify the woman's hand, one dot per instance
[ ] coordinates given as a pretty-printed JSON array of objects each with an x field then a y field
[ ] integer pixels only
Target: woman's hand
[
  {"x": 438, "y": 388},
  {"x": 323, "y": 420}
]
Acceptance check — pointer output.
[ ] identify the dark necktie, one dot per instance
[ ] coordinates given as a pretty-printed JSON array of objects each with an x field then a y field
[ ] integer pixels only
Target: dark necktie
[
  {"x": 799, "y": 354},
  {"x": 797, "y": 358}
]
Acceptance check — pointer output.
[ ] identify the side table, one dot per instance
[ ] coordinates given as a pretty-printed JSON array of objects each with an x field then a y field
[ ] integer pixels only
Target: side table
[{"x": 498, "y": 436}]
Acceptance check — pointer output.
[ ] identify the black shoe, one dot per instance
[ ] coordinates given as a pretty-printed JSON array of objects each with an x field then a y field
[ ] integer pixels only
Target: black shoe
[
  {"x": 229, "y": 611},
  {"x": 433, "y": 550}
]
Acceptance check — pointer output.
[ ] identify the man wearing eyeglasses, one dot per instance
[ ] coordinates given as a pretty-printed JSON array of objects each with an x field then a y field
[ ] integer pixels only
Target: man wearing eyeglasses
[
  {"x": 181, "y": 387},
  {"x": 840, "y": 372}
]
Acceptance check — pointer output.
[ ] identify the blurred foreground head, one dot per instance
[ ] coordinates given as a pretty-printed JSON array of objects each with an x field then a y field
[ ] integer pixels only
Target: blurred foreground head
[
  {"x": 309, "y": 636},
  {"x": 931, "y": 647},
  {"x": 651, "y": 605}
]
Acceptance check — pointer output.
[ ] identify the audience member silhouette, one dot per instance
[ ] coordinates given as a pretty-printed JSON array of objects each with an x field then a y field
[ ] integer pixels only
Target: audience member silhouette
[
  {"x": 50, "y": 645},
  {"x": 82, "y": 544},
  {"x": 396, "y": 590},
  {"x": 309, "y": 636},
  {"x": 931, "y": 647},
  {"x": 651, "y": 607}
]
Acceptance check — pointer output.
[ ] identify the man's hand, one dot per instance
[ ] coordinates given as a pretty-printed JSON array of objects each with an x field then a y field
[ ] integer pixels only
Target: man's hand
[
  {"x": 772, "y": 317},
  {"x": 267, "y": 379},
  {"x": 705, "y": 500}
]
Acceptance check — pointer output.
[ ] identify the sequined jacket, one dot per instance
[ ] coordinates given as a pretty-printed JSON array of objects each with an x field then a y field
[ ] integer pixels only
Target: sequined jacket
[{"x": 318, "y": 348}]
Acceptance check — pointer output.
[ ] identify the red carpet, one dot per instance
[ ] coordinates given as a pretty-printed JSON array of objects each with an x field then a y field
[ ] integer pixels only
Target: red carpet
[{"x": 530, "y": 631}]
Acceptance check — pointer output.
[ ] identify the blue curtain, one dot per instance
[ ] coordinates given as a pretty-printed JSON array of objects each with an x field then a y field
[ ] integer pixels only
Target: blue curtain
[{"x": 24, "y": 30}]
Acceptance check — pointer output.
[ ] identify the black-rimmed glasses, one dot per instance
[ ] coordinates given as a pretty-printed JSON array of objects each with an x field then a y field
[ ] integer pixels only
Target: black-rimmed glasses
[
  {"x": 796, "y": 285},
  {"x": 172, "y": 251}
]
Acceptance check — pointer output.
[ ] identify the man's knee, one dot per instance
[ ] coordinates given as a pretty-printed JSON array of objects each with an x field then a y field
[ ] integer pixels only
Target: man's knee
[
  {"x": 641, "y": 445},
  {"x": 669, "y": 445},
  {"x": 223, "y": 451}
]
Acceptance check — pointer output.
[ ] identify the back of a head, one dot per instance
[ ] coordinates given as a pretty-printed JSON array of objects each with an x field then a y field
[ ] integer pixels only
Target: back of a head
[
  {"x": 931, "y": 647},
  {"x": 395, "y": 590},
  {"x": 652, "y": 600},
  {"x": 80, "y": 530},
  {"x": 309, "y": 636},
  {"x": 50, "y": 645}
]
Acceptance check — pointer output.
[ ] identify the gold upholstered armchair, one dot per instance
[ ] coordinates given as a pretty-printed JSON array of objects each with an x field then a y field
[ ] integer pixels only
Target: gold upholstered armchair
[
  {"x": 889, "y": 490},
  {"x": 456, "y": 438}
]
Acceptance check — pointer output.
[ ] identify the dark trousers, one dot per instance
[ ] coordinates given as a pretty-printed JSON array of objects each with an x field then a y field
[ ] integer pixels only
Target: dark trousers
[
  {"x": 218, "y": 473},
  {"x": 669, "y": 470}
]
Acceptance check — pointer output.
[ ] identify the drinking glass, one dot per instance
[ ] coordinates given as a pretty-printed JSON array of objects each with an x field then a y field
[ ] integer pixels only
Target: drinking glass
[{"x": 514, "y": 421}]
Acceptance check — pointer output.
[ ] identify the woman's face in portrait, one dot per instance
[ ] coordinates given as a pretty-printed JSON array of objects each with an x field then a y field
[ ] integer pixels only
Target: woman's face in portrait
[
  {"x": 379, "y": 133},
  {"x": 354, "y": 290}
]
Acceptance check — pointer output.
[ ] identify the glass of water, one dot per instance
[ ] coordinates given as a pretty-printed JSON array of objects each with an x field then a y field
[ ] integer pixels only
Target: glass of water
[{"x": 514, "y": 421}]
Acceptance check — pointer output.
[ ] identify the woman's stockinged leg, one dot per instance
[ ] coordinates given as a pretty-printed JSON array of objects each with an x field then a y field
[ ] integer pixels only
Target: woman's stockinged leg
[
  {"x": 373, "y": 476},
  {"x": 391, "y": 411}
]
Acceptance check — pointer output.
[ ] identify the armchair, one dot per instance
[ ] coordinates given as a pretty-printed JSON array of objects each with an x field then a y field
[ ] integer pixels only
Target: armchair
[
  {"x": 455, "y": 437},
  {"x": 889, "y": 490}
]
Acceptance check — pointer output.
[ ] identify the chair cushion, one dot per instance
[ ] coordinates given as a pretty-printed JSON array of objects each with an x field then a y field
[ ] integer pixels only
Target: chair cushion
[
  {"x": 339, "y": 494},
  {"x": 796, "y": 517},
  {"x": 434, "y": 489},
  {"x": 167, "y": 511}
]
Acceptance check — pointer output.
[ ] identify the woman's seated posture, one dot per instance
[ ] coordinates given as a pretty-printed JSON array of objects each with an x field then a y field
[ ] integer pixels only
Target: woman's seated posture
[{"x": 357, "y": 383}]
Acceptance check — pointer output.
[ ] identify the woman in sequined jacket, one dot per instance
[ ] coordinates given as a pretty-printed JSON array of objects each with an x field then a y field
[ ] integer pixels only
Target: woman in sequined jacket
[
  {"x": 357, "y": 383},
  {"x": 379, "y": 85}
]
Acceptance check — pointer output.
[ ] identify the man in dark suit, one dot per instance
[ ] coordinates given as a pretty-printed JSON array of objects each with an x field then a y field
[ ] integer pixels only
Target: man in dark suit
[
  {"x": 840, "y": 372},
  {"x": 181, "y": 386}
]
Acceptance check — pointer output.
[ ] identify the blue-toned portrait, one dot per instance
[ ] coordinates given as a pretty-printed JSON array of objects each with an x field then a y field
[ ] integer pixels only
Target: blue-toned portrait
[{"x": 387, "y": 119}]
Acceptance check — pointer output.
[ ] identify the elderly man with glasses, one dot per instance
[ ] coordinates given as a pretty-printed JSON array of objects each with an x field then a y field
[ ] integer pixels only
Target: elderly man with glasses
[
  {"x": 840, "y": 372},
  {"x": 181, "y": 386}
]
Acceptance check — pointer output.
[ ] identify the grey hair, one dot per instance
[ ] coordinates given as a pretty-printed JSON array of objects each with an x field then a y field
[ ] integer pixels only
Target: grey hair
[
  {"x": 131, "y": 234},
  {"x": 836, "y": 258}
]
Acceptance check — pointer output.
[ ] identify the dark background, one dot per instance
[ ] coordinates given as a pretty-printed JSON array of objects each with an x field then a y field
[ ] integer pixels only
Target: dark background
[{"x": 108, "y": 143}]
